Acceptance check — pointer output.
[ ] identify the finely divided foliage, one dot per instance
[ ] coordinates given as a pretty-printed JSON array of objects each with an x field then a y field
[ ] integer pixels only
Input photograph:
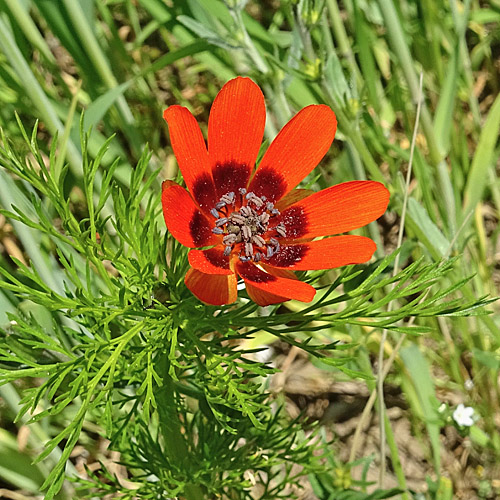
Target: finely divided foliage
[
  {"x": 128, "y": 343},
  {"x": 101, "y": 342}
]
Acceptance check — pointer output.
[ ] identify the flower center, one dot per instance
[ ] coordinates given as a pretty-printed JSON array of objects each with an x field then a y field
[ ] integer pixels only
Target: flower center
[{"x": 250, "y": 226}]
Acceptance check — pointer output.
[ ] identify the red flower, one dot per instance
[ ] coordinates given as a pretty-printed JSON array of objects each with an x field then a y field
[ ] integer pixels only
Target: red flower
[{"x": 257, "y": 225}]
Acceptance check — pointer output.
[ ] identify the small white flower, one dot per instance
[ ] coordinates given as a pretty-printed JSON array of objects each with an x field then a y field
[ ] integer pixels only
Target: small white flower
[
  {"x": 463, "y": 415},
  {"x": 469, "y": 384},
  {"x": 264, "y": 355}
]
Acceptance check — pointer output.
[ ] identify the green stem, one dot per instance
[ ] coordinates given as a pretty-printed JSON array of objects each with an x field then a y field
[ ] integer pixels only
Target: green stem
[
  {"x": 305, "y": 36},
  {"x": 100, "y": 63},
  {"x": 342, "y": 39},
  {"x": 396, "y": 463},
  {"x": 327, "y": 35},
  {"x": 400, "y": 48},
  {"x": 38, "y": 97},
  {"x": 251, "y": 49},
  {"x": 29, "y": 28},
  {"x": 354, "y": 136},
  {"x": 174, "y": 443}
]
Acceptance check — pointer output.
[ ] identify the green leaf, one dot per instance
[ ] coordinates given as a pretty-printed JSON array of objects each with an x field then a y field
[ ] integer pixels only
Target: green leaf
[
  {"x": 488, "y": 359},
  {"x": 419, "y": 374},
  {"x": 99, "y": 107},
  {"x": 426, "y": 231},
  {"x": 205, "y": 33},
  {"x": 484, "y": 158},
  {"x": 443, "y": 118},
  {"x": 16, "y": 467}
]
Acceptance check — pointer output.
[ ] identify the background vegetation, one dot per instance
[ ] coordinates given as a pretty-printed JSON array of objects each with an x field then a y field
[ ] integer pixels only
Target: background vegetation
[{"x": 84, "y": 255}]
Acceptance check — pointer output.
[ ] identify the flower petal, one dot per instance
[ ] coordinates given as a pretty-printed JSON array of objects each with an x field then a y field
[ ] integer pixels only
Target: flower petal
[
  {"x": 192, "y": 155},
  {"x": 183, "y": 219},
  {"x": 235, "y": 132},
  {"x": 211, "y": 261},
  {"x": 324, "y": 254},
  {"x": 336, "y": 209},
  {"x": 292, "y": 197},
  {"x": 261, "y": 297},
  {"x": 282, "y": 287},
  {"x": 214, "y": 289},
  {"x": 296, "y": 150},
  {"x": 276, "y": 271}
]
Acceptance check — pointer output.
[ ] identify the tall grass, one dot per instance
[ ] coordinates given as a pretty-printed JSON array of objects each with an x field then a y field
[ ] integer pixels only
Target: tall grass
[{"x": 123, "y": 62}]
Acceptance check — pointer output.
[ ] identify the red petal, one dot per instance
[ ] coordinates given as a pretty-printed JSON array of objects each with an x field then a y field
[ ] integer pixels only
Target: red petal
[
  {"x": 191, "y": 153},
  {"x": 280, "y": 272},
  {"x": 292, "y": 197},
  {"x": 183, "y": 219},
  {"x": 281, "y": 287},
  {"x": 261, "y": 297},
  {"x": 336, "y": 210},
  {"x": 214, "y": 289},
  {"x": 211, "y": 261},
  {"x": 324, "y": 254},
  {"x": 264, "y": 298},
  {"x": 297, "y": 149},
  {"x": 235, "y": 131}
]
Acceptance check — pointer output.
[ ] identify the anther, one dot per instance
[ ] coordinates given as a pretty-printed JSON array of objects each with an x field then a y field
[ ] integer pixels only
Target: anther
[
  {"x": 221, "y": 221},
  {"x": 229, "y": 239},
  {"x": 258, "y": 240},
  {"x": 237, "y": 218},
  {"x": 248, "y": 249},
  {"x": 247, "y": 232},
  {"x": 264, "y": 217},
  {"x": 281, "y": 229},
  {"x": 256, "y": 201},
  {"x": 247, "y": 225},
  {"x": 228, "y": 198}
]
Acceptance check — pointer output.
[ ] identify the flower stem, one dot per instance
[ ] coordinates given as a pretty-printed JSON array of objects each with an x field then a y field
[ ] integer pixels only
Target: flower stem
[
  {"x": 249, "y": 46},
  {"x": 343, "y": 43},
  {"x": 175, "y": 446},
  {"x": 398, "y": 44}
]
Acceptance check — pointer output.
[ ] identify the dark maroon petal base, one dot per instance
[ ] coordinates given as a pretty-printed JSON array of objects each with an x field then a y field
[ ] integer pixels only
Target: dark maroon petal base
[
  {"x": 251, "y": 272},
  {"x": 204, "y": 192},
  {"x": 200, "y": 229},
  {"x": 288, "y": 255},
  {"x": 295, "y": 220},
  {"x": 229, "y": 177},
  {"x": 269, "y": 183}
]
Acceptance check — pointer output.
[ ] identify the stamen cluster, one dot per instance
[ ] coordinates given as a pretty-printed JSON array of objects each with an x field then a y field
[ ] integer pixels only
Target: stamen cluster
[{"x": 249, "y": 226}]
